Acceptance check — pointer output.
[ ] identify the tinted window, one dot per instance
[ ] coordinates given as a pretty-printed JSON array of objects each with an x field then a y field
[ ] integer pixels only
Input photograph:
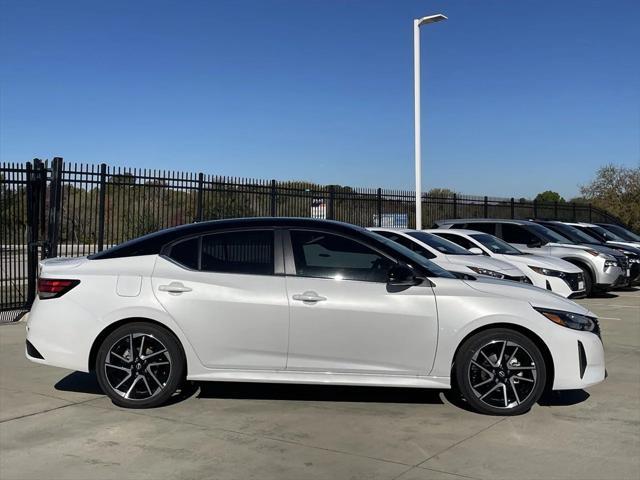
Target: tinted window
[
  {"x": 186, "y": 253},
  {"x": 440, "y": 244},
  {"x": 610, "y": 236},
  {"x": 495, "y": 244},
  {"x": 512, "y": 233},
  {"x": 569, "y": 232},
  {"x": 463, "y": 242},
  {"x": 408, "y": 243},
  {"x": 481, "y": 227},
  {"x": 324, "y": 255},
  {"x": 621, "y": 232},
  {"x": 238, "y": 252}
]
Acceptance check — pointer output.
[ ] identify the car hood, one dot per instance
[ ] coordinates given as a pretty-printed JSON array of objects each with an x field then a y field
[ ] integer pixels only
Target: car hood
[
  {"x": 484, "y": 262},
  {"x": 536, "y": 297},
  {"x": 634, "y": 245},
  {"x": 542, "y": 261}
]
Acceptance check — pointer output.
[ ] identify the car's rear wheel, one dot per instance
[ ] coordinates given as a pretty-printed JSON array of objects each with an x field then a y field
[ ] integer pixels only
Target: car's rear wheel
[
  {"x": 140, "y": 365},
  {"x": 500, "y": 372}
]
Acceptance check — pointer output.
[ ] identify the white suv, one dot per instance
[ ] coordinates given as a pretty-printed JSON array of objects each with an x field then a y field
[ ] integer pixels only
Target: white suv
[{"x": 601, "y": 271}]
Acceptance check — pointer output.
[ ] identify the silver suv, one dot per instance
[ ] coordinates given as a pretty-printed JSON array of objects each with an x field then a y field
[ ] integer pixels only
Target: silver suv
[{"x": 602, "y": 271}]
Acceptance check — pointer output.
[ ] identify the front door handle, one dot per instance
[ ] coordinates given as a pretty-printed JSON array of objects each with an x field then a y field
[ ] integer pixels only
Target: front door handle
[
  {"x": 174, "y": 287},
  {"x": 309, "y": 296}
]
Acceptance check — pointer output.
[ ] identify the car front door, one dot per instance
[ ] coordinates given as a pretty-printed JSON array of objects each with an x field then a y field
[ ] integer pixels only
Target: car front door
[
  {"x": 223, "y": 290},
  {"x": 346, "y": 318}
]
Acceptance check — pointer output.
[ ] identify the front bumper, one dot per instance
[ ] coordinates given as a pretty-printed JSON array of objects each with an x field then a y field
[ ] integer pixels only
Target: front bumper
[{"x": 581, "y": 363}]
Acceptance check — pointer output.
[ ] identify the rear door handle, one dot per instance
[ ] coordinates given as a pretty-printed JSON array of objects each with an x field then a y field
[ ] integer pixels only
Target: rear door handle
[
  {"x": 309, "y": 296},
  {"x": 174, "y": 287}
]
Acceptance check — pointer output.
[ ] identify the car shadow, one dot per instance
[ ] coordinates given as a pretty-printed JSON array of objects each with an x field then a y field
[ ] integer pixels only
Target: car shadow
[
  {"x": 79, "y": 382},
  {"x": 320, "y": 393},
  {"x": 560, "y": 398}
]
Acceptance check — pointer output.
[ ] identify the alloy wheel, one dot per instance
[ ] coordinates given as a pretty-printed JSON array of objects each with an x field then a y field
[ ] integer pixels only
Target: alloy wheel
[
  {"x": 502, "y": 374},
  {"x": 138, "y": 366}
]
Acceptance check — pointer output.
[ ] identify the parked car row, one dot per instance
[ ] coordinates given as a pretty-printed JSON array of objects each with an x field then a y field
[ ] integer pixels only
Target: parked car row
[
  {"x": 604, "y": 265},
  {"x": 289, "y": 300}
]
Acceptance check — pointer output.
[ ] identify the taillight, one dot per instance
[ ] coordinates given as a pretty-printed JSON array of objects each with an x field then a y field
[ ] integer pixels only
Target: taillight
[{"x": 54, "y": 287}]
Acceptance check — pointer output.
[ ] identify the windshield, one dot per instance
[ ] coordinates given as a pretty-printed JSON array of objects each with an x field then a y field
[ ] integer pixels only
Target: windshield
[
  {"x": 440, "y": 244},
  {"x": 572, "y": 233},
  {"x": 623, "y": 233},
  {"x": 547, "y": 234},
  {"x": 495, "y": 244},
  {"x": 432, "y": 268},
  {"x": 606, "y": 233}
]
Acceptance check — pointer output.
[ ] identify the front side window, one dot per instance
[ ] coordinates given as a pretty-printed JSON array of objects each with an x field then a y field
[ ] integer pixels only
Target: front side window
[
  {"x": 325, "y": 255},
  {"x": 405, "y": 242},
  {"x": 440, "y": 244},
  {"x": 495, "y": 244},
  {"x": 458, "y": 240},
  {"x": 248, "y": 252}
]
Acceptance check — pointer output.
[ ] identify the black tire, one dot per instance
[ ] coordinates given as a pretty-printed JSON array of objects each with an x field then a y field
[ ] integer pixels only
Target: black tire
[
  {"x": 588, "y": 280},
  {"x": 477, "y": 371},
  {"x": 161, "y": 364}
]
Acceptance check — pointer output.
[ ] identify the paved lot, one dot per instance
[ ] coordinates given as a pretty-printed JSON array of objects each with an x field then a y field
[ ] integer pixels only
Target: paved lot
[{"x": 56, "y": 425}]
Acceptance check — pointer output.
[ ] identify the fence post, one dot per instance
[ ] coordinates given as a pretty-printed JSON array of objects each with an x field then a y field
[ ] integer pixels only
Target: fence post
[
  {"x": 55, "y": 198},
  {"x": 455, "y": 205},
  {"x": 274, "y": 198},
  {"x": 332, "y": 193},
  {"x": 486, "y": 207},
  {"x": 101, "y": 206},
  {"x": 555, "y": 210},
  {"x": 573, "y": 204},
  {"x": 379, "y": 205},
  {"x": 199, "y": 197},
  {"x": 590, "y": 213},
  {"x": 535, "y": 208},
  {"x": 32, "y": 236},
  {"x": 513, "y": 208}
]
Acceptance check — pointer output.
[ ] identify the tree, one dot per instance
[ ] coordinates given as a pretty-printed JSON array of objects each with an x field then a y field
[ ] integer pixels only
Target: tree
[
  {"x": 549, "y": 196},
  {"x": 617, "y": 190}
]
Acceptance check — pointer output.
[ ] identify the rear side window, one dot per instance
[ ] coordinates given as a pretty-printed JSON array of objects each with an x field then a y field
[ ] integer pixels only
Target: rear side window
[
  {"x": 481, "y": 227},
  {"x": 248, "y": 252},
  {"x": 186, "y": 253},
  {"x": 516, "y": 234}
]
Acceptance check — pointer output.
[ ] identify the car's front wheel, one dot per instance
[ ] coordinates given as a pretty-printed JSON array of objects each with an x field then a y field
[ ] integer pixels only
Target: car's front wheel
[
  {"x": 140, "y": 365},
  {"x": 500, "y": 372}
]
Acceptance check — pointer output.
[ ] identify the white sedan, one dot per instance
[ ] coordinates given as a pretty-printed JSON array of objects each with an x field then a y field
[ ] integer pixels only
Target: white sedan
[
  {"x": 451, "y": 256},
  {"x": 547, "y": 272},
  {"x": 303, "y": 301}
]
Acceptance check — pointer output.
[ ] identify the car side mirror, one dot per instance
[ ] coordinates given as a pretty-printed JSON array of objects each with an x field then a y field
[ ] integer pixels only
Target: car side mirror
[
  {"x": 476, "y": 251},
  {"x": 535, "y": 244},
  {"x": 402, "y": 275}
]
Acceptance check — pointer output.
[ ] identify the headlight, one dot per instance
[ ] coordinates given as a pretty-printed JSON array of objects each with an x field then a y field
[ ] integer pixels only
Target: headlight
[
  {"x": 571, "y": 320},
  {"x": 484, "y": 271},
  {"x": 548, "y": 272},
  {"x": 610, "y": 263}
]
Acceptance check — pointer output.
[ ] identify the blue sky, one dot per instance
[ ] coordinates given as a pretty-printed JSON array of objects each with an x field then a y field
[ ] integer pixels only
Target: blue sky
[{"x": 518, "y": 96}]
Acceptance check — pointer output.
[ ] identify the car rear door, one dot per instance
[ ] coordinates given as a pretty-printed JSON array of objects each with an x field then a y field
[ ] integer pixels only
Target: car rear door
[
  {"x": 227, "y": 292},
  {"x": 346, "y": 318}
]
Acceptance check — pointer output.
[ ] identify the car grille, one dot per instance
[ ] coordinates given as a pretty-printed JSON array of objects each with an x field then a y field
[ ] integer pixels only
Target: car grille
[
  {"x": 573, "y": 280},
  {"x": 623, "y": 262}
]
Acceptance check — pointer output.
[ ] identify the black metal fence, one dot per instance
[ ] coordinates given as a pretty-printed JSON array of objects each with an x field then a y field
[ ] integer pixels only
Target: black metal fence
[{"x": 62, "y": 209}]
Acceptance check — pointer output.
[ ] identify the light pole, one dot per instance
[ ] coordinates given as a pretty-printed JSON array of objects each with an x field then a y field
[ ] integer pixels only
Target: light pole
[{"x": 417, "y": 23}]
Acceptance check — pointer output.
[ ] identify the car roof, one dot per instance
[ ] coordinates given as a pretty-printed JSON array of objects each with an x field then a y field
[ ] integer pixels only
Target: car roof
[
  {"x": 152, "y": 243},
  {"x": 483, "y": 220},
  {"x": 462, "y": 231}
]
